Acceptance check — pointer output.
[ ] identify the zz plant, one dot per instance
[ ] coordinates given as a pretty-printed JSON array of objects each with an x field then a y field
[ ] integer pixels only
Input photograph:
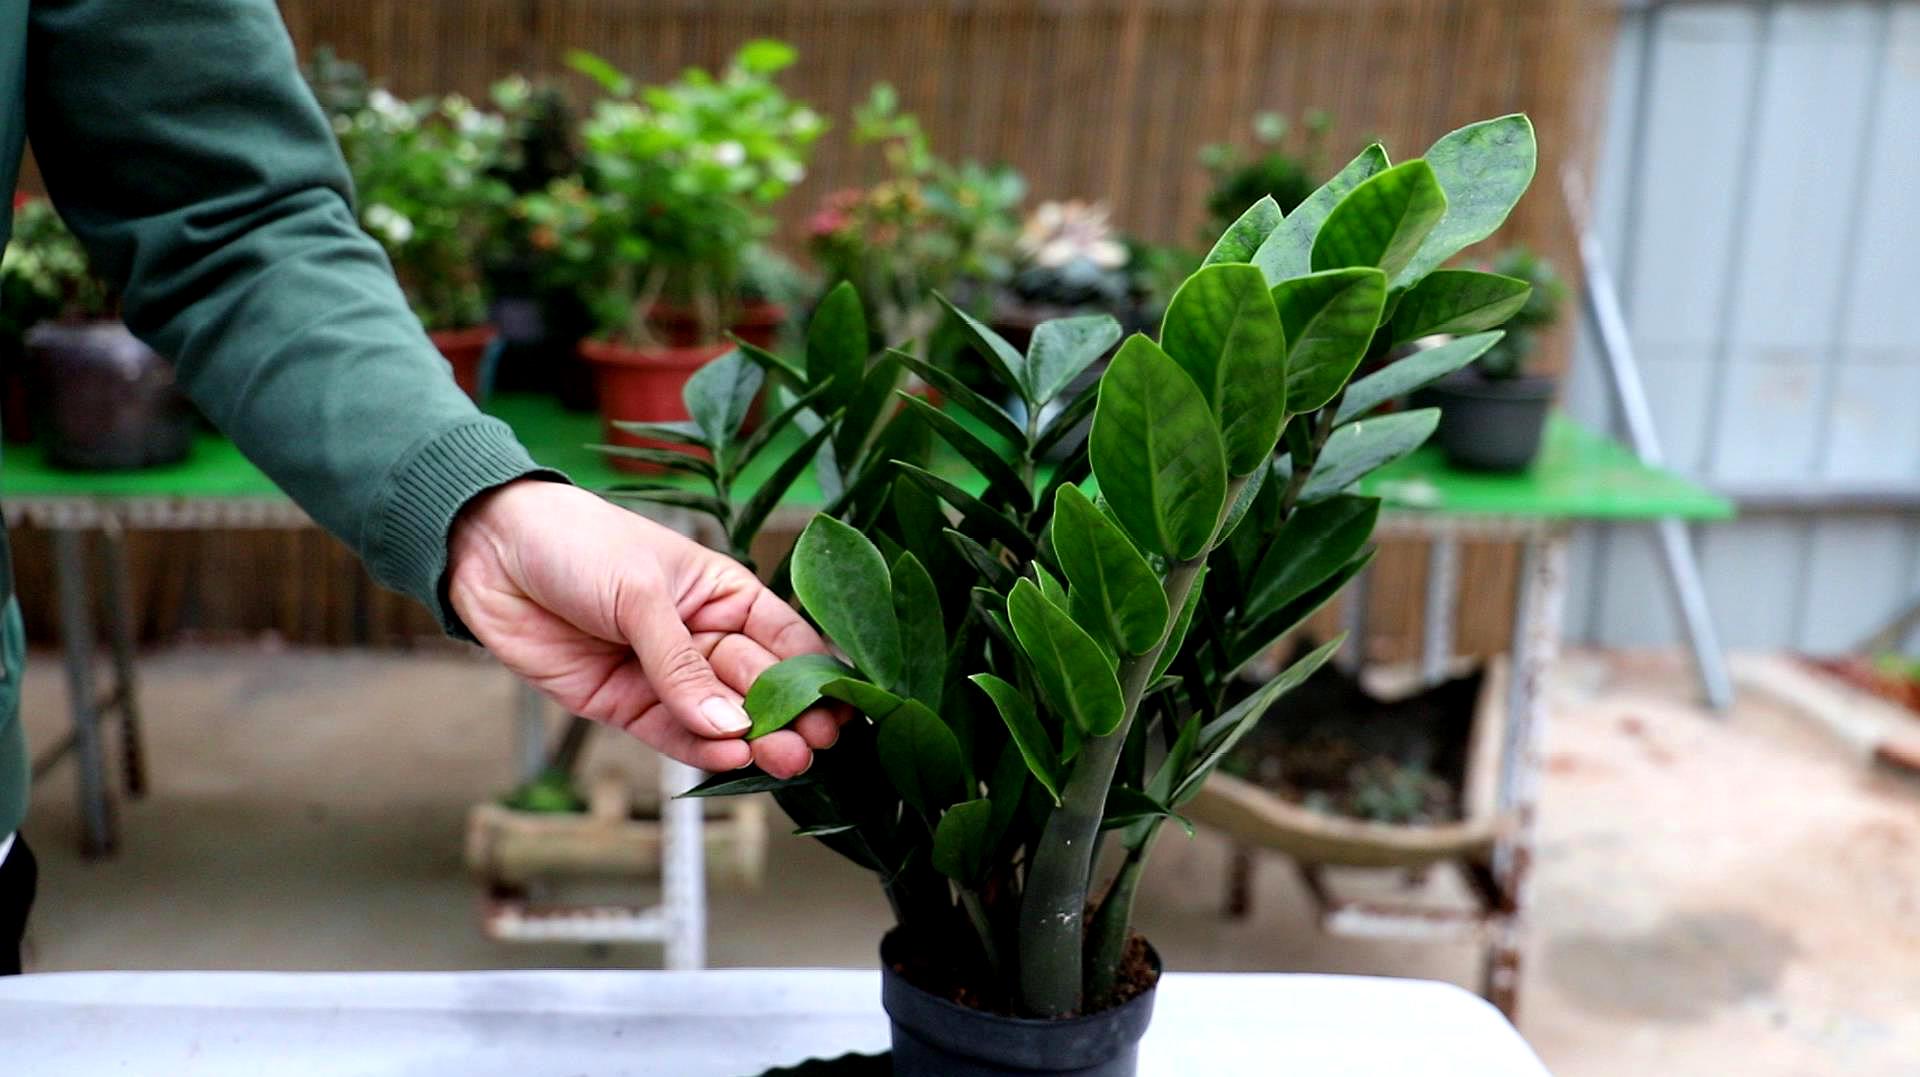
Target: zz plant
[{"x": 1047, "y": 663}]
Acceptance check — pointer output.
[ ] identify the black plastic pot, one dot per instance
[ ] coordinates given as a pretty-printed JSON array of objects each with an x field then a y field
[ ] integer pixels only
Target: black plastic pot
[
  {"x": 104, "y": 400},
  {"x": 933, "y": 1037},
  {"x": 1490, "y": 424},
  {"x": 538, "y": 336}
]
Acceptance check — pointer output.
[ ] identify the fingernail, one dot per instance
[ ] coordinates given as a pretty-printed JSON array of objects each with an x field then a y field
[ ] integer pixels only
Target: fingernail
[
  {"x": 725, "y": 715},
  {"x": 804, "y": 767}
]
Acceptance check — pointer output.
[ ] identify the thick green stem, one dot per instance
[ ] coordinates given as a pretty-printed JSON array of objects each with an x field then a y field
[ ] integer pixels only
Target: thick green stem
[
  {"x": 1112, "y": 924},
  {"x": 1053, "y": 908}
]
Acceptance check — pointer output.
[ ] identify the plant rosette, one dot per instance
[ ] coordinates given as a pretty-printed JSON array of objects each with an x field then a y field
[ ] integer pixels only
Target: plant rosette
[
  {"x": 684, "y": 175},
  {"x": 1045, "y": 662}
]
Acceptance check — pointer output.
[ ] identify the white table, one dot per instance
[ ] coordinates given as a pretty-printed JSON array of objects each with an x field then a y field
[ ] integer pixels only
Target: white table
[{"x": 687, "y": 1024}]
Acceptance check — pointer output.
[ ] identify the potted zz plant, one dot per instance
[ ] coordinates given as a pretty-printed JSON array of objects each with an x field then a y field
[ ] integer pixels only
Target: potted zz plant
[
  {"x": 1046, "y": 662},
  {"x": 100, "y": 399},
  {"x": 1492, "y": 416},
  {"x": 684, "y": 175}
]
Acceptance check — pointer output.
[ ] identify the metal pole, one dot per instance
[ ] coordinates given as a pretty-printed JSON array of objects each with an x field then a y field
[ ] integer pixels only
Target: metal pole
[
  {"x": 683, "y": 867},
  {"x": 76, "y": 636},
  {"x": 529, "y": 731},
  {"x": 1353, "y": 657},
  {"x": 126, "y": 696},
  {"x": 1630, "y": 392},
  {"x": 1437, "y": 613}
]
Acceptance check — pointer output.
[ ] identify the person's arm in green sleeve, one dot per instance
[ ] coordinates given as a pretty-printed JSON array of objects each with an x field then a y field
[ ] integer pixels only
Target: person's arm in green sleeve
[{"x": 179, "y": 142}]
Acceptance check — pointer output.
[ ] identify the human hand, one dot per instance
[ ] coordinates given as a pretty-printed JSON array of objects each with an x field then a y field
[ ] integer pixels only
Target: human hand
[{"x": 627, "y": 622}]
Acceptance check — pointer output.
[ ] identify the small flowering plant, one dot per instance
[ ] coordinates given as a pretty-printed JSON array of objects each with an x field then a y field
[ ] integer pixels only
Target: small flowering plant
[
  {"x": 927, "y": 226},
  {"x": 44, "y": 274},
  {"x": 1070, "y": 256},
  {"x": 684, "y": 175},
  {"x": 427, "y": 189}
]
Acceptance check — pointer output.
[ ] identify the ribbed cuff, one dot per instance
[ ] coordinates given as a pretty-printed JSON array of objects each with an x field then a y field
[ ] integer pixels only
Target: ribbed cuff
[{"x": 425, "y": 492}]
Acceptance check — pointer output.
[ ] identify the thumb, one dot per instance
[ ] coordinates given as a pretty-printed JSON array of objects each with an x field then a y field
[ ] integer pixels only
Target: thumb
[{"x": 678, "y": 672}]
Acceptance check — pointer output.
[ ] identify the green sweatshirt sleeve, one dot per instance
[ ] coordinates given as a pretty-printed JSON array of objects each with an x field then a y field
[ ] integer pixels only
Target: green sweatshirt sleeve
[{"x": 180, "y": 143}]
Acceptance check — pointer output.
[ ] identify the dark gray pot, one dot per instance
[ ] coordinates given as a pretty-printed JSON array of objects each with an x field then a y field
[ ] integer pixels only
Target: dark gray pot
[
  {"x": 105, "y": 400},
  {"x": 933, "y": 1037},
  {"x": 1490, "y": 424}
]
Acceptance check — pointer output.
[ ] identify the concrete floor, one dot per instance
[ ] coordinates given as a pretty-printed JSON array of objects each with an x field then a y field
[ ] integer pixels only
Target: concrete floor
[{"x": 1712, "y": 898}]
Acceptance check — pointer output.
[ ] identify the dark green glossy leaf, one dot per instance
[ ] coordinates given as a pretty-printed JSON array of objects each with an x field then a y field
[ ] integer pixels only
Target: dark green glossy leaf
[
  {"x": 988, "y": 412},
  {"x": 1224, "y": 331},
  {"x": 823, "y": 830},
  {"x": 868, "y": 406},
  {"x": 1156, "y": 451},
  {"x": 672, "y": 459},
  {"x": 1001, "y": 357},
  {"x": 1359, "y": 447},
  {"x": 746, "y": 522},
  {"x": 1000, "y": 475},
  {"x": 1253, "y": 641},
  {"x": 719, "y": 395},
  {"x": 1457, "y": 301},
  {"x": 1007, "y": 787},
  {"x": 742, "y": 782},
  {"x": 1127, "y": 806},
  {"x": 786, "y": 689},
  {"x": 986, "y": 522},
  {"x": 1484, "y": 168},
  {"x": 961, "y": 842},
  {"x": 1243, "y": 504},
  {"x": 1050, "y": 586},
  {"x": 1381, "y": 222},
  {"x": 1244, "y": 236},
  {"x": 869, "y": 699},
  {"x": 1178, "y": 637},
  {"x": 921, "y": 757},
  {"x": 771, "y": 362},
  {"x": 681, "y": 432},
  {"x": 1115, "y": 592},
  {"x": 1288, "y": 250},
  {"x": 837, "y": 343},
  {"x": 844, "y": 584},
  {"x": 923, "y": 634},
  {"x": 1023, "y": 725},
  {"x": 768, "y": 429},
  {"x": 1074, "y": 674},
  {"x": 1220, "y": 736},
  {"x": 1330, "y": 318},
  {"x": 1420, "y": 369},
  {"x": 1064, "y": 347},
  {"x": 1311, "y": 546},
  {"x": 996, "y": 574},
  {"x": 1066, "y": 421}
]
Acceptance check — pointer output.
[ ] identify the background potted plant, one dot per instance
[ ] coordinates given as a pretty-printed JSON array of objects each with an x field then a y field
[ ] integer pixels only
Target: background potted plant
[
  {"x": 1493, "y": 415},
  {"x": 1047, "y": 665},
  {"x": 1286, "y": 175},
  {"x": 684, "y": 175},
  {"x": 100, "y": 398},
  {"x": 929, "y": 226},
  {"x": 426, "y": 187}
]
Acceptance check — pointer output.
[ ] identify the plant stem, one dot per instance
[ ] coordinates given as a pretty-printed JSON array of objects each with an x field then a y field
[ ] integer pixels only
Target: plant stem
[
  {"x": 1053, "y": 909},
  {"x": 983, "y": 927},
  {"x": 1110, "y": 928}
]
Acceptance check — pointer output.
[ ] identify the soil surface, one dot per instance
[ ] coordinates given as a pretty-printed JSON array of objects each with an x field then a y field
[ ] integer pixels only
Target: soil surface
[{"x": 972, "y": 988}]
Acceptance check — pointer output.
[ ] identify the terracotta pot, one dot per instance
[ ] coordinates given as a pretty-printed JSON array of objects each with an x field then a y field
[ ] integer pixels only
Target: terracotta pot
[
  {"x": 759, "y": 323},
  {"x": 465, "y": 349},
  {"x": 643, "y": 385}
]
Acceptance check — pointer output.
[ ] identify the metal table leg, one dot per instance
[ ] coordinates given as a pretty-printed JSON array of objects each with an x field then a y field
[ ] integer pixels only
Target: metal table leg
[
  {"x": 1437, "y": 613},
  {"x": 683, "y": 867},
  {"x": 1353, "y": 656},
  {"x": 529, "y": 731},
  {"x": 98, "y": 834},
  {"x": 126, "y": 695},
  {"x": 1536, "y": 642}
]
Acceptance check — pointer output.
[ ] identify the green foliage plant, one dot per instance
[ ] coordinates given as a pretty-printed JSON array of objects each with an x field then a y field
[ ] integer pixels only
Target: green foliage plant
[
  {"x": 1047, "y": 662},
  {"x": 684, "y": 175},
  {"x": 1537, "y": 314},
  {"x": 44, "y": 275}
]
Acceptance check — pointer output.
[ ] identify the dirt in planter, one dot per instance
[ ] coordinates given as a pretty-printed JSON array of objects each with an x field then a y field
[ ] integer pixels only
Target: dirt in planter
[
  {"x": 971, "y": 985},
  {"x": 1332, "y": 747}
]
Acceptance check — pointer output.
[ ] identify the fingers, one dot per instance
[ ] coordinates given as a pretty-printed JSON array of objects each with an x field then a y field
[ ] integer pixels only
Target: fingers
[
  {"x": 677, "y": 671},
  {"x": 774, "y": 625},
  {"x": 782, "y": 754},
  {"x": 658, "y": 726},
  {"x": 739, "y": 661}
]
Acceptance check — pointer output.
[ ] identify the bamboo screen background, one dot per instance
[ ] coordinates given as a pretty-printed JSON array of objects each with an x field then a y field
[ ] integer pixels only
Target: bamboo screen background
[{"x": 1103, "y": 99}]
